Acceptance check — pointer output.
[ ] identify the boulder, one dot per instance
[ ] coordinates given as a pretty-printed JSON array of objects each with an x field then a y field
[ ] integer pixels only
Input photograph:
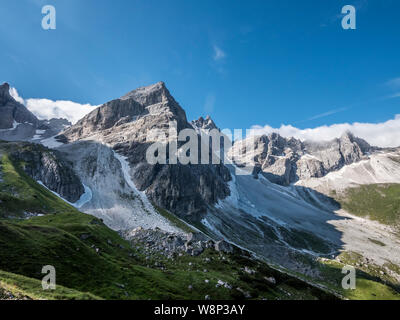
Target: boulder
[{"x": 223, "y": 246}]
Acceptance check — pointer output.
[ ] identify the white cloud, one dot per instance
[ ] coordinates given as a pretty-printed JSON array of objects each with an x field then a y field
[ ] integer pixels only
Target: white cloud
[
  {"x": 15, "y": 95},
  {"x": 218, "y": 53},
  {"x": 384, "y": 134},
  {"x": 48, "y": 109}
]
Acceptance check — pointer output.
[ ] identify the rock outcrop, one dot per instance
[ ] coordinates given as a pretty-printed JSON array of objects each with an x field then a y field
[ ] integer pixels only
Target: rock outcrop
[
  {"x": 206, "y": 124},
  {"x": 12, "y": 111},
  {"x": 171, "y": 244},
  {"x": 284, "y": 161},
  {"x": 47, "y": 166},
  {"x": 17, "y": 123},
  {"x": 52, "y": 127}
]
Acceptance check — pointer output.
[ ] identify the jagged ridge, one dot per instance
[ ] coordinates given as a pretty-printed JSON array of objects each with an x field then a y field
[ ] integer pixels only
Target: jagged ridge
[{"x": 287, "y": 160}]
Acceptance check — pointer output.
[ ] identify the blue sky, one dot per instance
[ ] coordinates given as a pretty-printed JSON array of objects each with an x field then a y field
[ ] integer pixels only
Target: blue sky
[{"x": 242, "y": 62}]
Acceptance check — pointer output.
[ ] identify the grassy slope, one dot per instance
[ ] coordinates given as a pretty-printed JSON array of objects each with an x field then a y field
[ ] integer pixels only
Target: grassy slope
[
  {"x": 18, "y": 195},
  {"x": 23, "y": 287},
  {"x": 370, "y": 285},
  {"x": 174, "y": 219},
  {"x": 380, "y": 202},
  {"x": 68, "y": 239}
]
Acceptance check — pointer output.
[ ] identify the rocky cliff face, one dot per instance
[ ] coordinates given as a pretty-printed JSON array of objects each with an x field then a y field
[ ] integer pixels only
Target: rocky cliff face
[
  {"x": 52, "y": 127},
  {"x": 125, "y": 124},
  {"x": 285, "y": 161},
  {"x": 17, "y": 123},
  {"x": 12, "y": 111},
  {"x": 141, "y": 110},
  {"x": 47, "y": 166}
]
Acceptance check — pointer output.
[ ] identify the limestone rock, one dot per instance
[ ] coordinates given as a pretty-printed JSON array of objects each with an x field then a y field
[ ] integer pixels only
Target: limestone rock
[
  {"x": 11, "y": 110},
  {"x": 223, "y": 246},
  {"x": 17, "y": 123},
  {"x": 48, "y": 166},
  {"x": 125, "y": 124},
  {"x": 285, "y": 161},
  {"x": 206, "y": 124}
]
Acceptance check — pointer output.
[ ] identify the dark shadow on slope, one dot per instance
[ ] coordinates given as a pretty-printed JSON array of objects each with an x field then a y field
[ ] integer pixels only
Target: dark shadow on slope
[{"x": 291, "y": 233}]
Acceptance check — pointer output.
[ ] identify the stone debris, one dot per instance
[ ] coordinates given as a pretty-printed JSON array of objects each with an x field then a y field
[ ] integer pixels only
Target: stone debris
[
  {"x": 270, "y": 280},
  {"x": 171, "y": 244},
  {"x": 249, "y": 271},
  {"x": 224, "y": 284},
  {"x": 223, "y": 246}
]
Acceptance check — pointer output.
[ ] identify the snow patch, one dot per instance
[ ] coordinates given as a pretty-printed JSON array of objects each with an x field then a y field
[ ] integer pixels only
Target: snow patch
[
  {"x": 233, "y": 198},
  {"x": 150, "y": 217},
  {"x": 15, "y": 125},
  {"x": 85, "y": 197},
  {"x": 38, "y": 134},
  {"x": 125, "y": 170},
  {"x": 51, "y": 143}
]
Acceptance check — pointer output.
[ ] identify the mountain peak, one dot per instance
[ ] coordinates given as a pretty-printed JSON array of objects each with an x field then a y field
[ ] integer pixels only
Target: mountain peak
[
  {"x": 151, "y": 94},
  {"x": 347, "y": 135},
  {"x": 153, "y": 103},
  {"x": 12, "y": 111},
  {"x": 5, "y": 86},
  {"x": 349, "y": 138},
  {"x": 206, "y": 124},
  {"x": 4, "y": 92}
]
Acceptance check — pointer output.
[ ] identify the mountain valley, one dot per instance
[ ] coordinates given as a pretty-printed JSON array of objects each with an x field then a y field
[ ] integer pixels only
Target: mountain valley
[{"x": 82, "y": 197}]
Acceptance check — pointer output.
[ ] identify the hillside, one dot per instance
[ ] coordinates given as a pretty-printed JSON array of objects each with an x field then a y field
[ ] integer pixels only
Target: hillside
[
  {"x": 380, "y": 202},
  {"x": 92, "y": 261}
]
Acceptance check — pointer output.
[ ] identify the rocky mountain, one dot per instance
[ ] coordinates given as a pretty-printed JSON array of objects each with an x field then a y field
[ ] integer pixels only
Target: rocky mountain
[
  {"x": 50, "y": 128},
  {"x": 206, "y": 124},
  {"x": 12, "y": 111},
  {"x": 125, "y": 124},
  {"x": 17, "y": 123},
  {"x": 47, "y": 167},
  {"x": 141, "y": 109},
  {"x": 287, "y": 160}
]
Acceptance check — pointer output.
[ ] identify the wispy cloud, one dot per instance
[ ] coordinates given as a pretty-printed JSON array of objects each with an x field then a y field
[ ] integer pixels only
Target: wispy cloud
[
  {"x": 48, "y": 109},
  {"x": 394, "y": 86},
  {"x": 219, "y": 54},
  {"x": 384, "y": 134},
  {"x": 325, "y": 114},
  {"x": 393, "y": 83}
]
